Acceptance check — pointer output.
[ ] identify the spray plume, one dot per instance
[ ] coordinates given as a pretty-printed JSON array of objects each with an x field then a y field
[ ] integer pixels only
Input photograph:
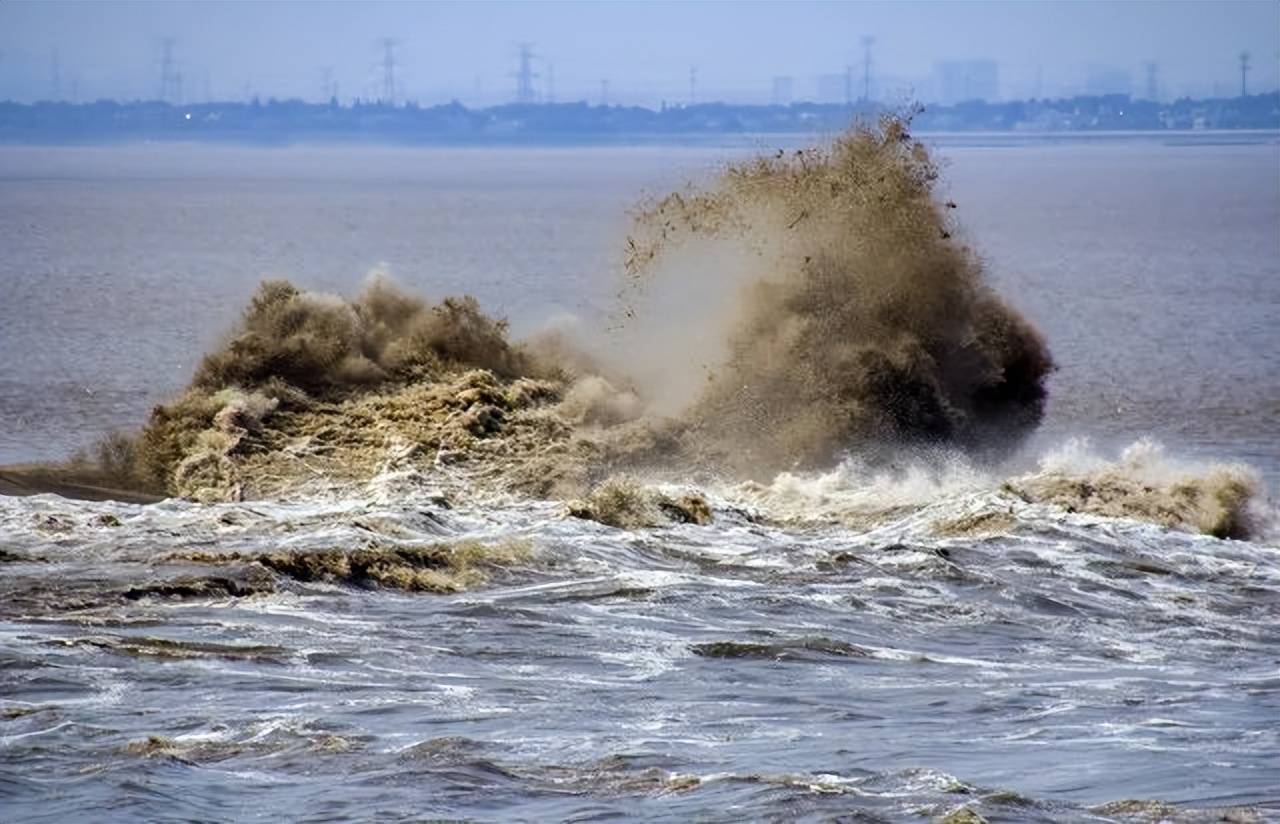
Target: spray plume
[{"x": 859, "y": 321}]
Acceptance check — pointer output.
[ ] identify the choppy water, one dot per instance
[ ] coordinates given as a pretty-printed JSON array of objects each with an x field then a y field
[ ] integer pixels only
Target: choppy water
[
  {"x": 731, "y": 671},
  {"x": 737, "y": 671}
]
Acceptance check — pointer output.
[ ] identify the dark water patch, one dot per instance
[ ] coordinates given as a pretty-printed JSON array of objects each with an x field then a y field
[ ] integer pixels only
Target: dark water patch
[
  {"x": 1026, "y": 558},
  {"x": 58, "y": 593},
  {"x": 167, "y": 649},
  {"x": 799, "y": 649},
  {"x": 503, "y": 612},
  {"x": 1133, "y": 568},
  {"x": 1061, "y": 605},
  {"x": 92, "y": 595},
  {"x": 187, "y": 588},
  {"x": 301, "y": 742},
  {"x": 1099, "y": 588},
  {"x": 7, "y": 557},
  {"x": 103, "y": 617},
  {"x": 437, "y": 568},
  {"x": 611, "y": 593},
  {"x": 447, "y": 749},
  {"x": 46, "y": 684}
]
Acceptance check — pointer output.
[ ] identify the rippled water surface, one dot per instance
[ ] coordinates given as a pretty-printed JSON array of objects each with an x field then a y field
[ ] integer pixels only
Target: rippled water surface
[
  {"x": 824, "y": 667},
  {"x": 679, "y": 671}
]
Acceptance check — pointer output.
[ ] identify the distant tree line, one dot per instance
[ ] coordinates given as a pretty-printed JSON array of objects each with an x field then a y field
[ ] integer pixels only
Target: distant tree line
[{"x": 295, "y": 120}]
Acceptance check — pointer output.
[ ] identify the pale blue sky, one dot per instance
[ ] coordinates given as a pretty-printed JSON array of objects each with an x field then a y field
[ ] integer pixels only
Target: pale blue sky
[{"x": 468, "y": 51}]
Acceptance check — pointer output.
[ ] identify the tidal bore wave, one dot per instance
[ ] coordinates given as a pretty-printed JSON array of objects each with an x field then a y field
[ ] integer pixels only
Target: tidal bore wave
[
  {"x": 399, "y": 565},
  {"x": 852, "y": 323},
  {"x": 854, "y": 330}
]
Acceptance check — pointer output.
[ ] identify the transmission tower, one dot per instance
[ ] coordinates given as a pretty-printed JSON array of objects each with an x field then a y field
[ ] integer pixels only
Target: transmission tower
[
  {"x": 328, "y": 86},
  {"x": 1244, "y": 74},
  {"x": 867, "y": 42},
  {"x": 388, "y": 71},
  {"x": 169, "y": 81},
  {"x": 55, "y": 75},
  {"x": 1153, "y": 87},
  {"x": 525, "y": 75}
]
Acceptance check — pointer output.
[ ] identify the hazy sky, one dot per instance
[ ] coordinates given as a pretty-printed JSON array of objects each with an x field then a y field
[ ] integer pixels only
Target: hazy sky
[{"x": 645, "y": 50}]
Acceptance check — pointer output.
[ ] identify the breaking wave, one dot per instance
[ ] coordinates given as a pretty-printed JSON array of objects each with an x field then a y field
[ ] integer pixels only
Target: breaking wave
[{"x": 860, "y": 365}]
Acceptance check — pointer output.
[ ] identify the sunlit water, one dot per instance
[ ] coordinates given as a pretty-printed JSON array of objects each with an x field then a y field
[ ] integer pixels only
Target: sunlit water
[{"x": 735, "y": 671}]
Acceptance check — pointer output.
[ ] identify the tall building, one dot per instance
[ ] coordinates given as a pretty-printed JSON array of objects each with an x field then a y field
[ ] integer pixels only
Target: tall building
[{"x": 956, "y": 81}]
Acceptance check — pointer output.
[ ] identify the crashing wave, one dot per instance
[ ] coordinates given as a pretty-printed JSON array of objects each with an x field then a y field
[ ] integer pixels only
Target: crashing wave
[{"x": 864, "y": 366}]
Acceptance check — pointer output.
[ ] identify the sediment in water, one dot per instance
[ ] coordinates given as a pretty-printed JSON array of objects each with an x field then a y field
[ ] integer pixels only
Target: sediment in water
[
  {"x": 1219, "y": 500},
  {"x": 854, "y": 322},
  {"x": 861, "y": 323},
  {"x": 628, "y": 504}
]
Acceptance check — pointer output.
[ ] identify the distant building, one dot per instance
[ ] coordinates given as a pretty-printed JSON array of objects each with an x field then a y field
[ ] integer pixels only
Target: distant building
[
  {"x": 782, "y": 87},
  {"x": 956, "y": 81}
]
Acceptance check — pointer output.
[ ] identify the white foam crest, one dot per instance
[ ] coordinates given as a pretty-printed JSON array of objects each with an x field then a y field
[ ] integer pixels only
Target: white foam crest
[
  {"x": 1147, "y": 464},
  {"x": 1146, "y": 459},
  {"x": 856, "y": 486}
]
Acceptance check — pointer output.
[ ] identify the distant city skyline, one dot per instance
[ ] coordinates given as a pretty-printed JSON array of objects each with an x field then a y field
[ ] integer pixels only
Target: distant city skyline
[{"x": 633, "y": 53}]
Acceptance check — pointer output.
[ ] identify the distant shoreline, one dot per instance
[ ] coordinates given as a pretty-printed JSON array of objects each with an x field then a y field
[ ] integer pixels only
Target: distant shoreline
[
  {"x": 1255, "y": 118},
  {"x": 975, "y": 139}
]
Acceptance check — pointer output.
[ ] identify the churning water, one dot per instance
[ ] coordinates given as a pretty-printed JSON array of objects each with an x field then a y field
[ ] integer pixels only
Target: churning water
[{"x": 963, "y": 649}]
